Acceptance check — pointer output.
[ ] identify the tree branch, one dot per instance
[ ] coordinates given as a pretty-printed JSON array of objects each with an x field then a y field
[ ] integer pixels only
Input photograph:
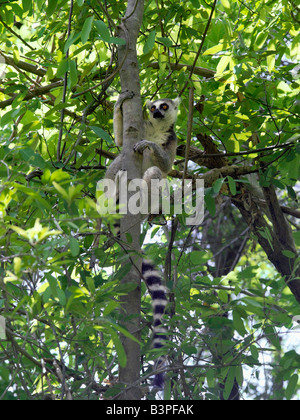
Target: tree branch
[
  {"x": 30, "y": 68},
  {"x": 43, "y": 90},
  {"x": 200, "y": 71},
  {"x": 15, "y": 34}
]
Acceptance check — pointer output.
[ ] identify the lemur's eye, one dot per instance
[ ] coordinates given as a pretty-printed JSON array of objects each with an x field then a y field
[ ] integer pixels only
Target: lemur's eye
[
  {"x": 153, "y": 108},
  {"x": 165, "y": 107}
]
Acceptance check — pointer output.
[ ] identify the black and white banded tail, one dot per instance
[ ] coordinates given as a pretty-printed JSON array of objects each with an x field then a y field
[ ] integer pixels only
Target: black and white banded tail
[{"x": 153, "y": 280}]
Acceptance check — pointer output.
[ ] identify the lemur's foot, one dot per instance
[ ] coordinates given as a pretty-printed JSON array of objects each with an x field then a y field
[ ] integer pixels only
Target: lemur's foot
[{"x": 123, "y": 97}]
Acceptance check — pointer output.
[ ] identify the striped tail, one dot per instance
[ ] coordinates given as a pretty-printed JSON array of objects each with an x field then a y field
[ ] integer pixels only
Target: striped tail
[{"x": 153, "y": 280}]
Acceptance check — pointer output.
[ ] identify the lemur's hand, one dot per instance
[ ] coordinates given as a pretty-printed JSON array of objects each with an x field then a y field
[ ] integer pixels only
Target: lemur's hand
[{"x": 141, "y": 146}]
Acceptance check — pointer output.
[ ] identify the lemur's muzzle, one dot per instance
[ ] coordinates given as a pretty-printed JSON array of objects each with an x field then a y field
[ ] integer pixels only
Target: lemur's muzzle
[{"x": 157, "y": 114}]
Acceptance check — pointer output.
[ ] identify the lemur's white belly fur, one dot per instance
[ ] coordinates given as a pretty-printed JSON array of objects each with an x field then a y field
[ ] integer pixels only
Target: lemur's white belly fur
[{"x": 155, "y": 134}]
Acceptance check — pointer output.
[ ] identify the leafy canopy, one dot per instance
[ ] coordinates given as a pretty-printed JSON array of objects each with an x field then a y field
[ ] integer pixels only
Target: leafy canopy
[{"x": 58, "y": 85}]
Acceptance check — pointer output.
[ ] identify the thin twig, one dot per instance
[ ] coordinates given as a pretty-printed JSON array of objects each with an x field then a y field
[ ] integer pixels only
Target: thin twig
[
  {"x": 15, "y": 34},
  {"x": 79, "y": 137}
]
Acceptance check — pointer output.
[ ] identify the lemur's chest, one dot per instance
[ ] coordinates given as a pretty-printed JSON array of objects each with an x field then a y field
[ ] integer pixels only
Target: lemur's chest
[{"x": 155, "y": 134}]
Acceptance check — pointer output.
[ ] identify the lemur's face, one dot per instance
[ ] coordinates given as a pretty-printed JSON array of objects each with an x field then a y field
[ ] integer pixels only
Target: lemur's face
[{"x": 164, "y": 110}]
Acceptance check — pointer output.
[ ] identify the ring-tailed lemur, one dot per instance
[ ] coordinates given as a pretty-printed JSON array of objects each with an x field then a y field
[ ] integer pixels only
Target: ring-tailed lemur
[
  {"x": 159, "y": 147},
  {"x": 159, "y": 151}
]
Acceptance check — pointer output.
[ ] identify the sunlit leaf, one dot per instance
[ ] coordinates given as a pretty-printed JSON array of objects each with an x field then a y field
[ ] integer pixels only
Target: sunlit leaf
[
  {"x": 86, "y": 29},
  {"x": 150, "y": 42}
]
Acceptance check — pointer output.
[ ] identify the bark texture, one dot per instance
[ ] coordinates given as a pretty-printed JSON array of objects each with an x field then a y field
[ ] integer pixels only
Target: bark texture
[{"x": 130, "y": 224}]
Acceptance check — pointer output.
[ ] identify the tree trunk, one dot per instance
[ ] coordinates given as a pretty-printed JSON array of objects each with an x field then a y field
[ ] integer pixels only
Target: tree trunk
[{"x": 130, "y": 224}]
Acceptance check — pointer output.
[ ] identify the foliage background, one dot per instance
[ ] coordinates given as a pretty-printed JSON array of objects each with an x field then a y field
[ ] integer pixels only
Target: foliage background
[{"x": 231, "y": 311}]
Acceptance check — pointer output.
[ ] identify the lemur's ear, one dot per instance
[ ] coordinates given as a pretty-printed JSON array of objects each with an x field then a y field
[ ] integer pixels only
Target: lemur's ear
[
  {"x": 177, "y": 101},
  {"x": 148, "y": 104}
]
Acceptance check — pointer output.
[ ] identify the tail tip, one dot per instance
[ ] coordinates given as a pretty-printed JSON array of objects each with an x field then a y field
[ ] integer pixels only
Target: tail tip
[{"x": 159, "y": 381}]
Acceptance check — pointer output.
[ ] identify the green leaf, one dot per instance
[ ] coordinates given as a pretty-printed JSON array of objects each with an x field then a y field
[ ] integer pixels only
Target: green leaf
[
  {"x": 114, "y": 390},
  {"x": 125, "y": 288},
  {"x": 102, "y": 30},
  {"x": 297, "y": 237},
  {"x": 214, "y": 50},
  {"x": 52, "y": 4},
  {"x": 86, "y": 29},
  {"x": 260, "y": 40},
  {"x": 47, "y": 295},
  {"x": 198, "y": 258},
  {"x": 211, "y": 377},
  {"x": 239, "y": 375},
  {"x": 110, "y": 307},
  {"x": 71, "y": 40},
  {"x": 291, "y": 192},
  {"x": 119, "y": 348},
  {"x": 223, "y": 296},
  {"x": 229, "y": 382},
  {"x": 16, "y": 55},
  {"x": 101, "y": 133},
  {"x": 166, "y": 41},
  {"x": 62, "y": 68},
  {"x": 232, "y": 185},
  {"x": 150, "y": 42},
  {"x": 32, "y": 194},
  {"x": 223, "y": 63},
  {"x": 271, "y": 59},
  {"x": 87, "y": 154},
  {"x": 210, "y": 204},
  {"x": 289, "y": 254},
  {"x": 116, "y": 41},
  {"x": 227, "y": 4},
  {"x": 129, "y": 238},
  {"x": 53, "y": 285},
  {"x": 91, "y": 285},
  {"x": 34, "y": 159},
  {"x": 126, "y": 333},
  {"x": 73, "y": 73},
  {"x": 238, "y": 323},
  {"x": 291, "y": 388},
  {"x": 26, "y": 4},
  {"x": 217, "y": 185},
  {"x": 61, "y": 296},
  {"x": 9, "y": 117},
  {"x": 272, "y": 337},
  {"x": 254, "y": 352},
  {"x": 61, "y": 190},
  {"x": 74, "y": 247}
]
